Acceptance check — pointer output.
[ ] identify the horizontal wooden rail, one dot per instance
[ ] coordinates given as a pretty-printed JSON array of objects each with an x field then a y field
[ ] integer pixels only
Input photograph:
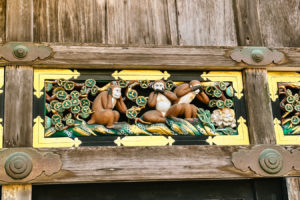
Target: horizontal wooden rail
[
  {"x": 177, "y": 58},
  {"x": 114, "y": 164}
]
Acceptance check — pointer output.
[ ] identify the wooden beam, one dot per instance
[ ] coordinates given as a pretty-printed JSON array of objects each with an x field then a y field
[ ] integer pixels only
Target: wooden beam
[
  {"x": 88, "y": 56},
  {"x": 16, "y": 192},
  {"x": 115, "y": 164},
  {"x": 19, "y": 20},
  {"x": 259, "y": 111},
  {"x": 247, "y": 23},
  {"x": 18, "y": 106}
]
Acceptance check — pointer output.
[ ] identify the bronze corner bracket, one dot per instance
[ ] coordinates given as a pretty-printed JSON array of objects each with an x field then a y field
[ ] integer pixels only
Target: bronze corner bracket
[
  {"x": 24, "y": 52},
  {"x": 267, "y": 160},
  {"x": 24, "y": 164},
  {"x": 257, "y": 56}
]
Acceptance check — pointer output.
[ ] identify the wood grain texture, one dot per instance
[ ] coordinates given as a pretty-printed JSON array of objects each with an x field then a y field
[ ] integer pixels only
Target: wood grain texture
[
  {"x": 116, "y": 164},
  {"x": 19, "y": 20},
  {"x": 247, "y": 22},
  {"x": 18, "y": 106},
  {"x": 141, "y": 22},
  {"x": 293, "y": 188},
  {"x": 94, "y": 56},
  {"x": 16, "y": 192},
  {"x": 69, "y": 21},
  {"x": 2, "y": 20},
  {"x": 203, "y": 23},
  {"x": 280, "y": 23},
  {"x": 259, "y": 111}
]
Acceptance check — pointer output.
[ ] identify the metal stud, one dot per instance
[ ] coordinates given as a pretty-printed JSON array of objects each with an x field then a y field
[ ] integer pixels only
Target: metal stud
[{"x": 20, "y": 51}]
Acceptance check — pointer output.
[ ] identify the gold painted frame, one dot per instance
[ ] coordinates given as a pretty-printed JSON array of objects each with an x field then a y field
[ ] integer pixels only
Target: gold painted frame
[
  {"x": 40, "y": 75},
  {"x": 273, "y": 79},
  {"x": 237, "y": 81}
]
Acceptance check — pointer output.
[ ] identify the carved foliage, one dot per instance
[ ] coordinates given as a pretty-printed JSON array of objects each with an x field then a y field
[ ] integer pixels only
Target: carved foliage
[{"x": 135, "y": 107}]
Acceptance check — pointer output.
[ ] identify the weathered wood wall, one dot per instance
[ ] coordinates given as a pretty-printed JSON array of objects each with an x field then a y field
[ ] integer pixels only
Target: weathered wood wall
[
  {"x": 140, "y": 23},
  {"x": 167, "y": 22}
]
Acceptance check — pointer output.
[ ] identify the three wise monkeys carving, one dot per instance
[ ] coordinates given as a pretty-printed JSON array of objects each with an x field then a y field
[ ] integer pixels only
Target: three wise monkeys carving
[{"x": 163, "y": 103}]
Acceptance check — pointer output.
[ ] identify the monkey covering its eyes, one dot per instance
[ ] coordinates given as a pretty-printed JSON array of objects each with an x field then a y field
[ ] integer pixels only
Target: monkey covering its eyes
[{"x": 103, "y": 107}]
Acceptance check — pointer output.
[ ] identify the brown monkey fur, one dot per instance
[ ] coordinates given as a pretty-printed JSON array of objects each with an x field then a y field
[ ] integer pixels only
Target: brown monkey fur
[
  {"x": 183, "y": 106},
  {"x": 103, "y": 109},
  {"x": 155, "y": 98}
]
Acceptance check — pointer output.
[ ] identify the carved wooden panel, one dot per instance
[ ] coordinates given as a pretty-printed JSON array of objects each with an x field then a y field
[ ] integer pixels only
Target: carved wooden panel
[
  {"x": 285, "y": 92},
  {"x": 138, "y": 108}
]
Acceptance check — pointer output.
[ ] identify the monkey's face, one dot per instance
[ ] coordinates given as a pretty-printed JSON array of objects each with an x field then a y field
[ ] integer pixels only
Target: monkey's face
[
  {"x": 116, "y": 92},
  {"x": 159, "y": 86}
]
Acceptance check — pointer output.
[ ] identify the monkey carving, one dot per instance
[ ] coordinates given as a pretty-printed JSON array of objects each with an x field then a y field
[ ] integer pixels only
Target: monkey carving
[
  {"x": 103, "y": 107},
  {"x": 162, "y": 100},
  {"x": 186, "y": 93}
]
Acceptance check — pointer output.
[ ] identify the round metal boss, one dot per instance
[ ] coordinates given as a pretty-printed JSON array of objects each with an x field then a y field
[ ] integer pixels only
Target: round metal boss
[
  {"x": 257, "y": 55},
  {"x": 270, "y": 160},
  {"x": 18, "y": 165},
  {"x": 20, "y": 51}
]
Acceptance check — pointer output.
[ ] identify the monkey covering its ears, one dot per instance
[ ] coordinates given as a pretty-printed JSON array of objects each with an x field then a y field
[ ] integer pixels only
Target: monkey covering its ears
[
  {"x": 186, "y": 93},
  {"x": 103, "y": 107}
]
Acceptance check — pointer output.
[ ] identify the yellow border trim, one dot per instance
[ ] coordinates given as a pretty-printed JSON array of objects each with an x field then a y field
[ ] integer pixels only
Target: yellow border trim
[
  {"x": 1, "y": 91},
  {"x": 144, "y": 141},
  {"x": 39, "y": 140},
  {"x": 237, "y": 82},
  {"x": 234, "y": 77},
  {"x": 40, "y": 75},
  {"x": 241, "y": 139},
  {"x": 273, "y": 79},
  {"x": 140, "y": 75}
]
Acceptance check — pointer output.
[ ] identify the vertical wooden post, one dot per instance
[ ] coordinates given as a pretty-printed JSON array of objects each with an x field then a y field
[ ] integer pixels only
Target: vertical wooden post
[
  {"x": 293, "y": 188},
  {"x": 249, "y": 32},
  {"x": 18, "y": 106},
  {"x": 18, "y": 91},
  {"x": 16, "y": 192},
  {"x": 260, "y": 118}
]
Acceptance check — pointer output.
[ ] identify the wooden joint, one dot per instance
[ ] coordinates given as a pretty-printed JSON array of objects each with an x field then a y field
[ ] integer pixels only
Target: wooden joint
[
  {"x": 24, "y": 52},
  {"x": 267, "y": 160},
  {"x": 24, "y": 164}
]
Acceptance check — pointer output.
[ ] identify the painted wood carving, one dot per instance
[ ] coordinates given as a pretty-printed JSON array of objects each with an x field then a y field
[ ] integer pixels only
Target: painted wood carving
[
  {"x": 107, "y": 107},
  {"x": 285, "y": 92}
]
